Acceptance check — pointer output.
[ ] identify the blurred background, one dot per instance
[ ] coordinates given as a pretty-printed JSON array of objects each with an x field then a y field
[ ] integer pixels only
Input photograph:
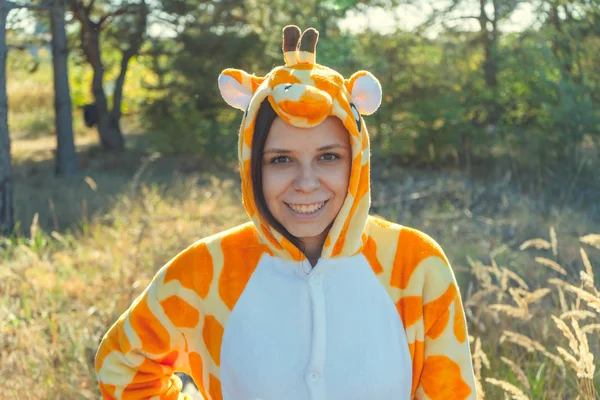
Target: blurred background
[{"x": 117, "y": 152}]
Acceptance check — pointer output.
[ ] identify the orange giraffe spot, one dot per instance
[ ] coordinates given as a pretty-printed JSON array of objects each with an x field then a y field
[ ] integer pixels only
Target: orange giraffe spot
[
  {"x": 214, "y": 388},
  {"x": 438, "y": 327},
  {"x": 196, "y": 369},
  {"x": 212, "y": 333},
  {"x": 235, "y": 74},
  {"x": 180, "y": 312},
  {"x": 296, "y": 254},
  {"x": 314, "y": 104},
  {"x": 196, "y": 262},
  {"x": 417, "y": 353},
  {"x": 410, "y": 309},
  {"x": 115, "y": 340},
  {"x": 370, "y": 252},
  {"x": 350, "y": 82},
  {"x": 107, "y": 391},
  {"x": 459, "y": 321},
  {"x": 441, "y": 379},
  {"x": 256, "y": 82},
  {"x": 152, "y": 377},
  {"x": 239, "y": 76},
  {"x": 196, "y": 366},
  {"x": 283, "y": 76},
  {"x": 154, "y": 336},
  {"x": 249, "y": 133},
  {"x": 241, "y": 252},
  {"x": 413, "y": 248},
  {"x": 355, "y": 176},
  {"x": 436, "y": 313},
  {"x": 247, "y": 192},
  {"x": 326, "y": 82},
  {"x": 362, "y": 190},
  {"x": 365, "y": 138},
  {"x": 169, "y": 359}
]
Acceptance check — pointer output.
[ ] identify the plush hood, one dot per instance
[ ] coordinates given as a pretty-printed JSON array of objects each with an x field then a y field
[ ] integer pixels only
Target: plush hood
[{"x": 304, "y": 93}]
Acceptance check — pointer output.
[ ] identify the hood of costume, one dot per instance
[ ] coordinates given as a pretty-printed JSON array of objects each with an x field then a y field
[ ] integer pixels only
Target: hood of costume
[{"x": 303, "y": 93}]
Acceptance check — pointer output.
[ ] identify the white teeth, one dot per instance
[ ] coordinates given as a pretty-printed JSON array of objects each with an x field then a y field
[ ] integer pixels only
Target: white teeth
[{"x": 306, "y": 209}]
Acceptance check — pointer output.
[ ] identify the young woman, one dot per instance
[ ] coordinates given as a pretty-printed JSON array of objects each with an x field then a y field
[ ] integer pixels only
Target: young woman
[{"x": 314, "y": 298}]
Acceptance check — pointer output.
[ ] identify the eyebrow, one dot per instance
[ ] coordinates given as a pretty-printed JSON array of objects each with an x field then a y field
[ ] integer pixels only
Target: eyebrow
[{"x": 324, "y": 148}]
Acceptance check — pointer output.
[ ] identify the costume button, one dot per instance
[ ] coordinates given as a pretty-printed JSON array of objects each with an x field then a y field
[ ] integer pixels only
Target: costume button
[
  {"x": 316, "y": 278},
  {"x": 314, "y": 376}
]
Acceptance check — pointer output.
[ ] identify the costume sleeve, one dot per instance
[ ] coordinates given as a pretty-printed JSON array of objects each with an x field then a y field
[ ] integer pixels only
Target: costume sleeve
[
  {"x": 139, "y": 354},
  {"x": 447, "y": 372}
]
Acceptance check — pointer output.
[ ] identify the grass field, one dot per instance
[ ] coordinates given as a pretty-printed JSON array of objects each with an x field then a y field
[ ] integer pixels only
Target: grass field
[{"x": 89, "y": 244}]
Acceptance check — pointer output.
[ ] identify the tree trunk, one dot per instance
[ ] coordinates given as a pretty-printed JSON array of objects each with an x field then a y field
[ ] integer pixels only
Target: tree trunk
[
  {"x": 115, "y": 113},
  {"x": 66, "y": 158},
  {"x": 490, "y": 68},
  {"x": 108, "y": 130},
  {"x": 7, "y": 222}
]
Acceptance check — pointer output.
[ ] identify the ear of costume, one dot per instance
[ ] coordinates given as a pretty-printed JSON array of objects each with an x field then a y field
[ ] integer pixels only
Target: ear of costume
[
  {"x": 366, "y": 92},
  {"x": 303, "y": 93},
  {"x": 237, "y": 87}
]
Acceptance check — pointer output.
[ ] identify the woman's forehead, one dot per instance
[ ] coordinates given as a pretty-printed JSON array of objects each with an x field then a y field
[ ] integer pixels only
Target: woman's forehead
[{"x": 330, "y": 131}]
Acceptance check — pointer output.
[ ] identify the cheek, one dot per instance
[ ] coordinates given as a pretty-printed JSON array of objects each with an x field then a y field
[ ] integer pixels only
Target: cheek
[
  {"x": 274, "y": 183},
  {"x": 338, "y": 180}
]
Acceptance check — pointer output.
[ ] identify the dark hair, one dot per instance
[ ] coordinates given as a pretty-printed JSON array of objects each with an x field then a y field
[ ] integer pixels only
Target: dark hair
[{"x": 264, "y": 119}]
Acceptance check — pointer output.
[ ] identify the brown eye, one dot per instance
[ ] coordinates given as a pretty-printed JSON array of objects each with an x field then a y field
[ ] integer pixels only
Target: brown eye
[
  {"x": 279, "y": 160},
  {"x": 330, "y": 157}
]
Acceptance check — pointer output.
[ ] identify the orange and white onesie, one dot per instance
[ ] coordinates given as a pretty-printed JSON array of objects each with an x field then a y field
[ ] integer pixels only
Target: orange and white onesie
[{"x": 243, "y": 313}]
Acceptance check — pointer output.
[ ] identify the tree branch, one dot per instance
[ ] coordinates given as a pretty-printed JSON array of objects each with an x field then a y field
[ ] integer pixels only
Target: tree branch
[
  {"x": 123, "y": 10},
  {"x": 463, "y": 17},
  {"x": 89, "y": 7}
]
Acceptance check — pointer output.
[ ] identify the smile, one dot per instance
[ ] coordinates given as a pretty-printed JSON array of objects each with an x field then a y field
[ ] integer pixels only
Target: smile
[{"x": 307, "y": 208}]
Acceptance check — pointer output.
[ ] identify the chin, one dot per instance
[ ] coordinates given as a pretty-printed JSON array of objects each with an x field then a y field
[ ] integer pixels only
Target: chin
[{"x": 306, "y": 231}]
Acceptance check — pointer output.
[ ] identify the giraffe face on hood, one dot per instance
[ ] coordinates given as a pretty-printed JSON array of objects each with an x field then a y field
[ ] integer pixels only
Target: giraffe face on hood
[{"x": 305, "y": 176}]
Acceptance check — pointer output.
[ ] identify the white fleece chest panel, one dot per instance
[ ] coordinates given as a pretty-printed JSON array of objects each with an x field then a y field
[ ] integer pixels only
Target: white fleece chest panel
[{"x": 333, "y": 333}]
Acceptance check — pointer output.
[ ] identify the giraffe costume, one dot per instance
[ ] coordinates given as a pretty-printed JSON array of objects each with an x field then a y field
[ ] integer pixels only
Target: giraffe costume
[{"x": 379, "y": 316}]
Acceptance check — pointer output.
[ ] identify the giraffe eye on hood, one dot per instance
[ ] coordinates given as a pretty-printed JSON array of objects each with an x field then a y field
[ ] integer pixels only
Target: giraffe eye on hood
[{"x": 356, "y": 116}]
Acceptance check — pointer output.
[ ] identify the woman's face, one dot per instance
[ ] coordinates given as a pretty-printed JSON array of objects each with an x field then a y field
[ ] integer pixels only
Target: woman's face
[{"x": 305, "y": 175}]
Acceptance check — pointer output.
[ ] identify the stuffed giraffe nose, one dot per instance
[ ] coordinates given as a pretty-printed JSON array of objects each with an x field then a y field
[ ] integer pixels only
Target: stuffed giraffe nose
[{"x": 304, "y": 104}]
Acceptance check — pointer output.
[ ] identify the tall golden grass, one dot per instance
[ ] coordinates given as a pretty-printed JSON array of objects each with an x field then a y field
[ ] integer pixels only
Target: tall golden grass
[{"x": 574, "y": 312}]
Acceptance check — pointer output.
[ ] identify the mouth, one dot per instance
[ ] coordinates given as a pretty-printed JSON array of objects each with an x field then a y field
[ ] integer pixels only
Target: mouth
[{"x": 307, "y": 209}]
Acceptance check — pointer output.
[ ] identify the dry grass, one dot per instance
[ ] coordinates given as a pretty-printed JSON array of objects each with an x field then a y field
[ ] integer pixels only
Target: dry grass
[{"x": 573, "y": 348}]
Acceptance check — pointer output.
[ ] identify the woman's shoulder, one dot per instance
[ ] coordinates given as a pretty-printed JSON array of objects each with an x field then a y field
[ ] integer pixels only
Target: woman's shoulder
[
  {"x": 401, "y": 240},
  {"x": 241, "y": 236},
  {"x": 380, "y": 228},
  {"x": 238, "y": 240}
]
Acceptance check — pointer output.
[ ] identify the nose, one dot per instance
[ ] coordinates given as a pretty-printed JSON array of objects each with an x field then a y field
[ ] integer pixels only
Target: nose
[{"x": 306, "y": 180}]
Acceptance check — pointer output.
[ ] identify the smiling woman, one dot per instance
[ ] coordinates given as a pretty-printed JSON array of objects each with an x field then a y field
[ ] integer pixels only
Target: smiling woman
[{"x": 314, "y": 298}]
